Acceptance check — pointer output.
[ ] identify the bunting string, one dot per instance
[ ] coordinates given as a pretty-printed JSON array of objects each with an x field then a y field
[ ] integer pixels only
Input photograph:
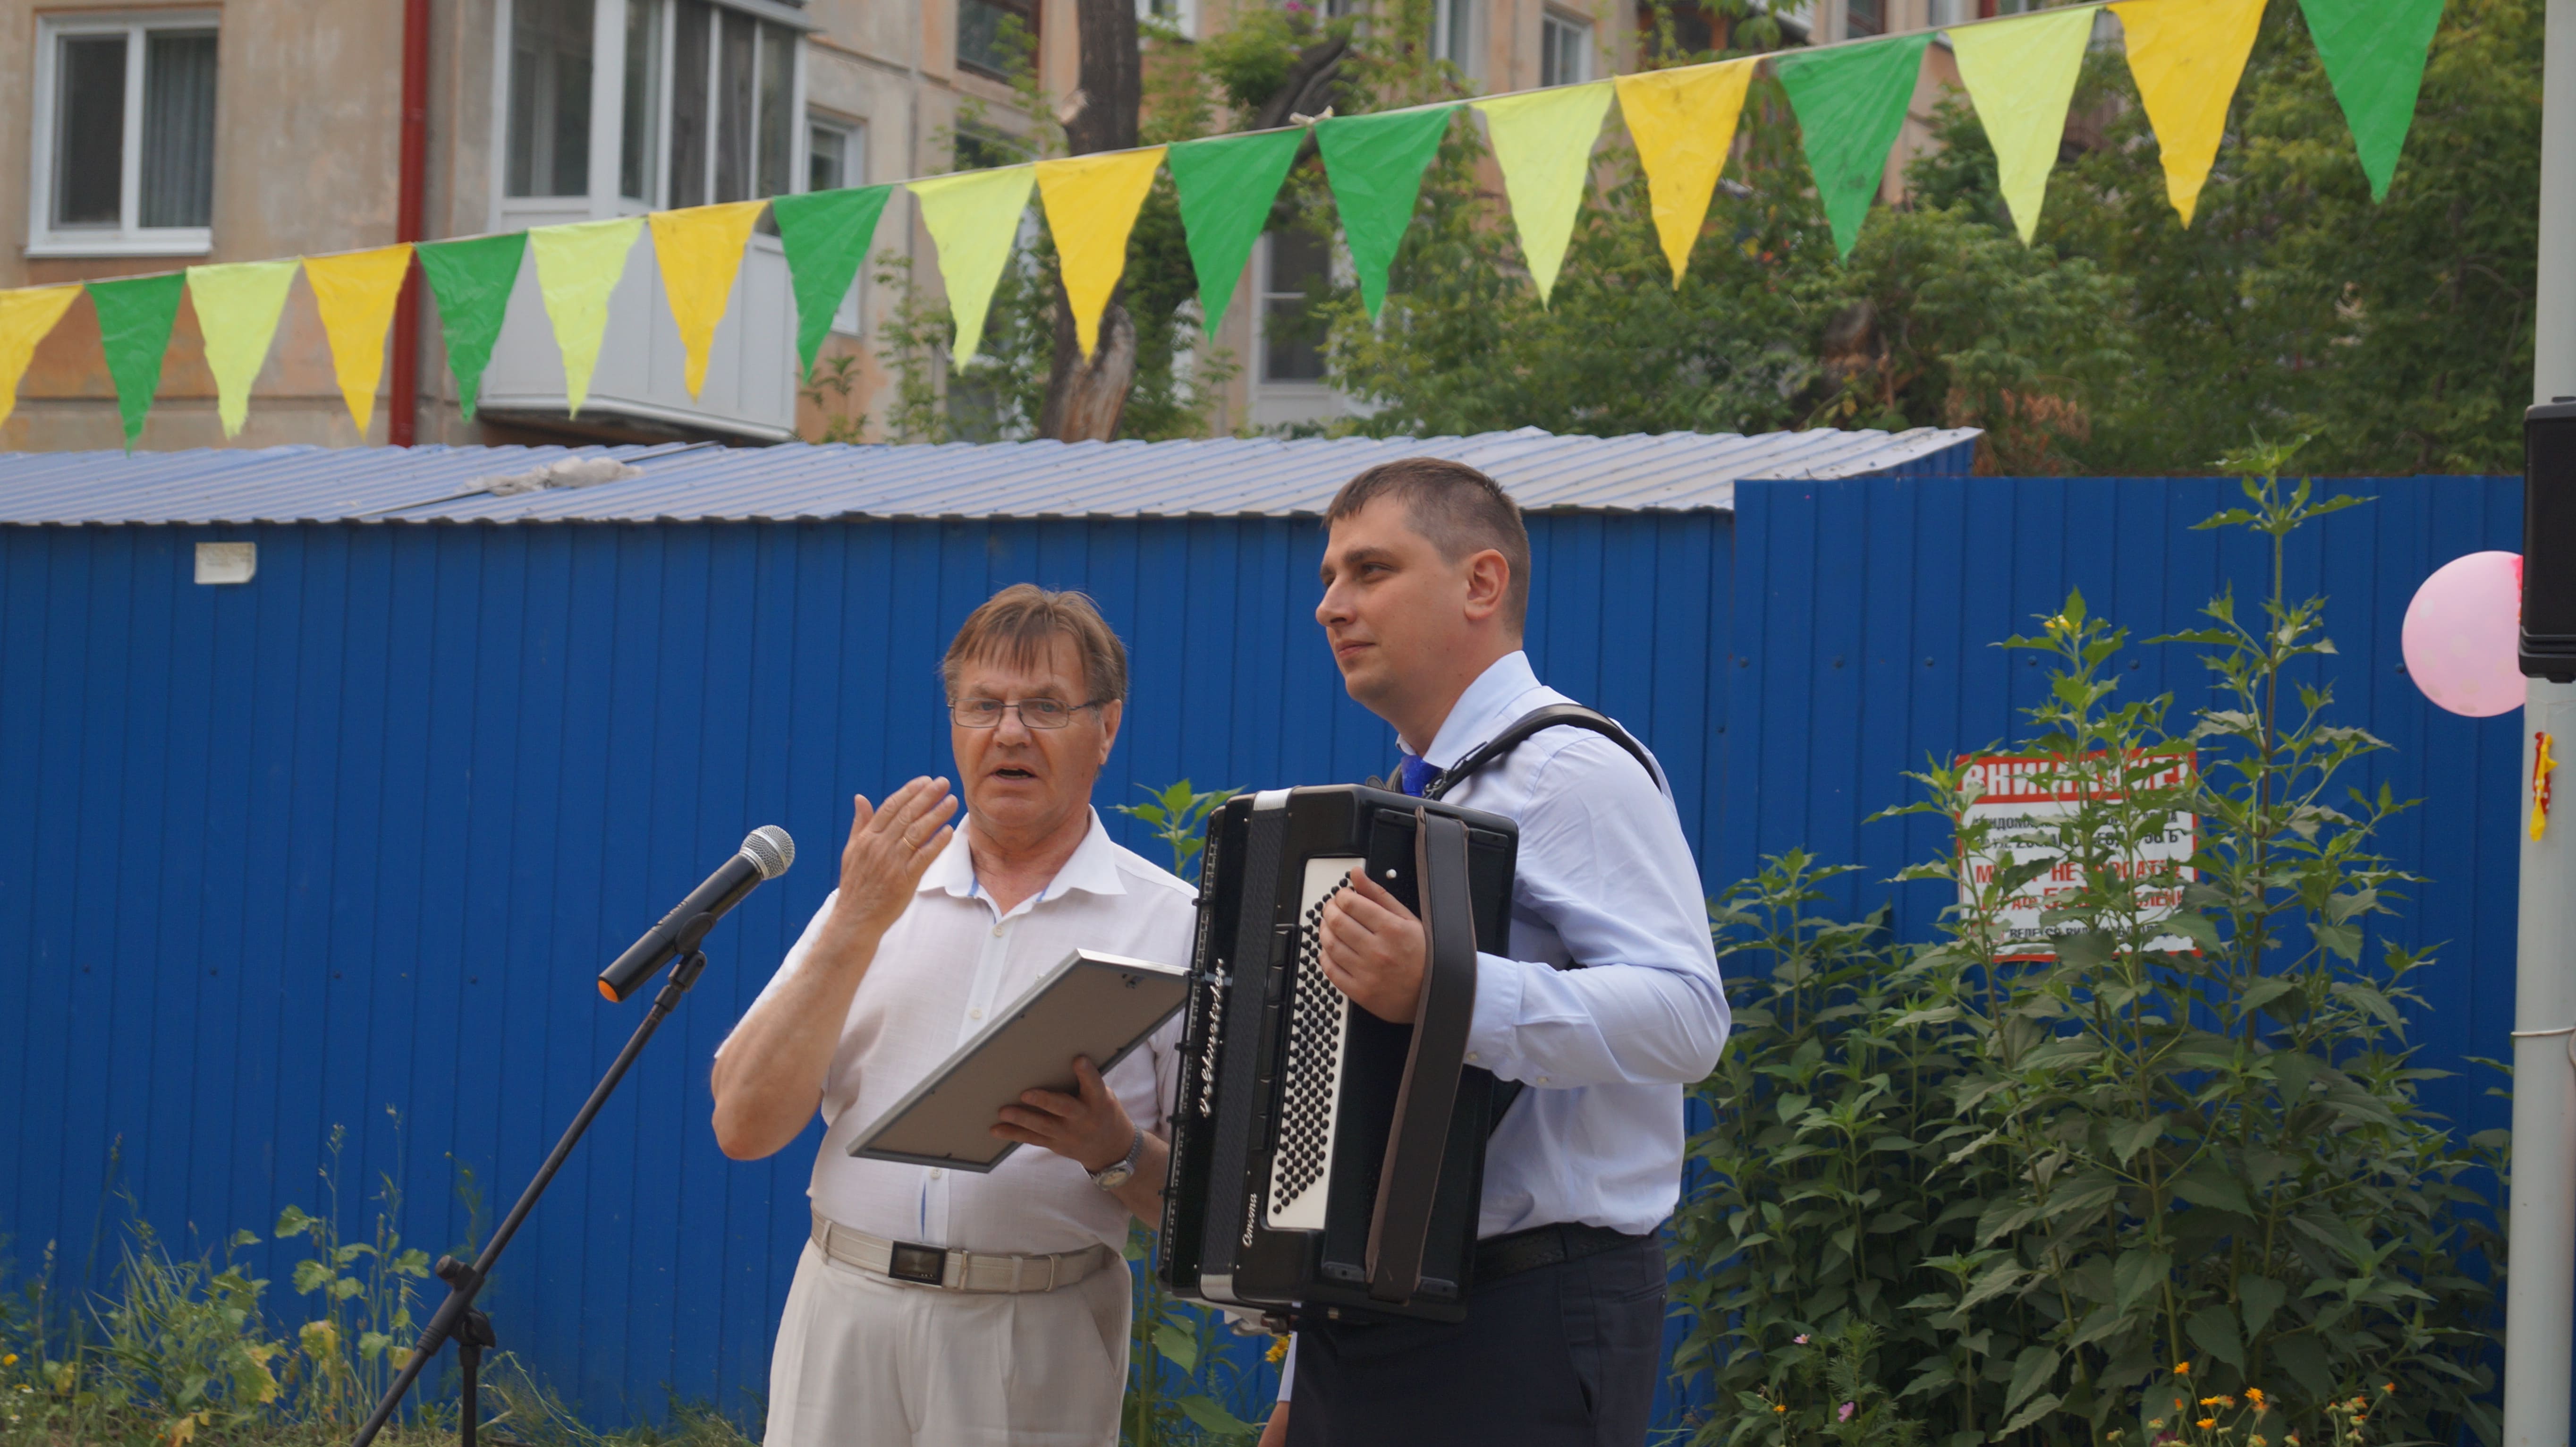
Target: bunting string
[{"x": 1850, "y": 100}]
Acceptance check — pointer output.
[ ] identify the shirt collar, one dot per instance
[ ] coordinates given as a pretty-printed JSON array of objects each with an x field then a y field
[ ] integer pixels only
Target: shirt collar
[
  {"x": 1093, "y": 867},
  {"x": 1480, "y": 713}
]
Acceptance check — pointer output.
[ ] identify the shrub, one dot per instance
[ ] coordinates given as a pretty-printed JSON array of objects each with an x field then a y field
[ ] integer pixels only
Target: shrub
[{"x": 2187, "y": 1144}]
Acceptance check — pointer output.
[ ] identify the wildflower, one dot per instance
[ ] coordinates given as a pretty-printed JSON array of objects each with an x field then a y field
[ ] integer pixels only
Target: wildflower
[
  {"x": 2182, "y": 1369},
  {"x": 1801, "y": 1338},
  {"x": 2208, "y": 1422},
  {"x": 1844, "y": 1415},
  {"x": 1278, "y": 1349},
  {"x": 2255, "y": 1441},
  {"x": 10, "y": 1360},
  {"x": 1776, "y": 1407},
  {"x": 2254, "y": 1395},
  {"x": 2387, "y": 1387},
  {"x": 2211, "y": 1401},
  {"x": 2058, "y": 624}
]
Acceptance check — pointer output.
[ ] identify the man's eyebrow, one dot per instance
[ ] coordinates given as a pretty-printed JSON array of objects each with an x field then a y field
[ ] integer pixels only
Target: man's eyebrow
[{"x": 1356, "y": 556}]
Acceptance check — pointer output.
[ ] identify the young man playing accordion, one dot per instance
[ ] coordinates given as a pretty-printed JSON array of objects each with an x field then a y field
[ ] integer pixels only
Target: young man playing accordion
[{"x": 1607, "y": 1004}]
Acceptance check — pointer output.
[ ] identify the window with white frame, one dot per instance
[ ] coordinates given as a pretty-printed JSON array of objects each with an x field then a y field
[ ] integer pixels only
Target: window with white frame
[
  {"x": 836, "y": 155},
  {"x": 124, "y": 135},
  {"x": 1179, "y": 15},
  {"x": 1295, "y": 266},
  {"x": 1455, "y": 30},
  {"x": 704, "y": 99},
  {"x": 1564, "y": 50},
  {"x": 710, "y": 104}
]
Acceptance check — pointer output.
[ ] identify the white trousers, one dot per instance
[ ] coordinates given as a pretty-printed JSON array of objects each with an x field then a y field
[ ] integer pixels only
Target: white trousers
[{"x": 867, "y": 1362}]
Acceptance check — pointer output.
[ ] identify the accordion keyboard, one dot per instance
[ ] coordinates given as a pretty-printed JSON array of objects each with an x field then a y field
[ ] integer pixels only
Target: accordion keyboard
[{"x": 1301, "y": 1167}]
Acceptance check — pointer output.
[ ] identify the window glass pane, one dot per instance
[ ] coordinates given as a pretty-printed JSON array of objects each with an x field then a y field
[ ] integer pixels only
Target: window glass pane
[
  {"x": 550, "y": 55},
  {"x": 1457, "y": 37},
  {"x": 178, "y": 128},
  {"x": 777, "y": 148},
  {"x": 733, "y": 107},
  {"x": 1564, "y": 52},
  {"x": 642, "y": 122},
  {"x": 89, "y": 131},
  {"x": 1291, "y": 340},
  {"x": 996, "y": 36},
  {"x": 824, "y": 158},
  {"x": 1865, "y": 17},
  {"x": 691, "y": 47}
]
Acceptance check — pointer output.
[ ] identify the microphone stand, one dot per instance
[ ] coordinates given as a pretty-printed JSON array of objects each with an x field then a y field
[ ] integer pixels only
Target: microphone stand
[{"x": 457, "y": 1318}]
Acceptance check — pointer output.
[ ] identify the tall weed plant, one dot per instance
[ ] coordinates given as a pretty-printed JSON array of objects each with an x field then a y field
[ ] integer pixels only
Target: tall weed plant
[{"x": 2173, "y": 1178}]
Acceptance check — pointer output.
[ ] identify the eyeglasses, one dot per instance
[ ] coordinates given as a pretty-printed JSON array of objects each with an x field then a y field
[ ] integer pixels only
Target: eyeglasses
[{"x": 1036, "y": 713}]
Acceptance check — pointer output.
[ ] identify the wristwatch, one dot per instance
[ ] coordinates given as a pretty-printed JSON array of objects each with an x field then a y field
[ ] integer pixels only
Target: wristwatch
[{"x": 1117, "y": 1173}]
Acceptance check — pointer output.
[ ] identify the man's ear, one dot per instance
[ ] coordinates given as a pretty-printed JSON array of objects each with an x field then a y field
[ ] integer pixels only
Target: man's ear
[
  {"x": 1489, "y": 579},
  {"x": 1111, "y": 713}
]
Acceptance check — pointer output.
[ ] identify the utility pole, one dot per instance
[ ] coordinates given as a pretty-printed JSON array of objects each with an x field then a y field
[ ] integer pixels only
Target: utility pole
[{"x": 2540, "y": 1295}]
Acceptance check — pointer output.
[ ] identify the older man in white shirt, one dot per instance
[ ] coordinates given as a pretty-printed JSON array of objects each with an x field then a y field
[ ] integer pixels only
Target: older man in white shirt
[{"x": 933, "y": 1306}]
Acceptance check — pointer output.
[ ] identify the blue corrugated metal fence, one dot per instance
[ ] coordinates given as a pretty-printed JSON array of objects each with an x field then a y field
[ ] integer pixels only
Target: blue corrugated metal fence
[{"x": 356, "y": 835}]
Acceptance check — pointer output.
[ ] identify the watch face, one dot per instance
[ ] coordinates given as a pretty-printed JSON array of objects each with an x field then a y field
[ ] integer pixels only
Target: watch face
[{"x": 1114, "y": 1177}]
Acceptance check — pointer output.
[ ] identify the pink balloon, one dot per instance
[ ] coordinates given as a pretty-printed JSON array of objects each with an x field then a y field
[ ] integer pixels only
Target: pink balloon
[{"x": 2463, "y": 632}]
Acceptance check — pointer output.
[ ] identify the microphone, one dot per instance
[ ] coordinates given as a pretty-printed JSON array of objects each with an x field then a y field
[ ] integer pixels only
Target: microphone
[{"x": 766, "y": 853}]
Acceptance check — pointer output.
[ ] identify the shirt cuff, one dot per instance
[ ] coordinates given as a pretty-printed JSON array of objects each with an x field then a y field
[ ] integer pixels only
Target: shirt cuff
[
  {"x": 1288, "y": 1369},
  {"x": 1493, "y": 1032}
]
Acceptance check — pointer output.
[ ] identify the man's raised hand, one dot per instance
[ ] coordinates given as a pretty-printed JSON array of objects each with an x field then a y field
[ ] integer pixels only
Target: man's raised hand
[
  {"x": 891, "y": 846},
  {"x": 1372, "y": 949}
]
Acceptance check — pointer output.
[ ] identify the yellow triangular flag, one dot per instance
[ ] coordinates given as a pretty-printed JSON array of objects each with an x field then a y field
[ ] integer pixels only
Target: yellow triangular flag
[
  {"x": 26, "y": 315},
  {"x": 577, "y": 267},
  {"x": 1543, "y": 141},
  {"x": 238, "y": 305},
  {"x": 1091, "y": 204},
  {"x": 1683, "y": 121},
  {"x": 2187, "y": 56},
  {"x": 355, "y": 291},
  {"x": 2021, "y": 74},
  {"x": 973, "y": 217},
  {"x": 699, "y": 250}
]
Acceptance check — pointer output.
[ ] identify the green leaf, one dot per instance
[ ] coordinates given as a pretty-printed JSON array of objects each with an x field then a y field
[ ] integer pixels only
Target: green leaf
[
  {"x": 1177, "y": 1346},
  {"x": 2304, "y": 1358},
  {"x": 2138, "y": 1273},
  {"x": 346, "y": 1287},
  {"x": 2260, "y": 1297},
  {"x": 2213, "y": 1330},
  {"x": 2034, "y": 1369},
  {"x": 292, "y": 1220},
  {"x": 310, "y": 1276},
  {"x": 2207, "y": 1186},
  {"x": 2134, "y": 1136},
  {"x": 1205, "y": 1411}
]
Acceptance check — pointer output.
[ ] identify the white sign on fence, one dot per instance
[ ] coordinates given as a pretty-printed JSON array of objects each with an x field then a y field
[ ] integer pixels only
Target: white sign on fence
[{"x": 2016, "y": 794}]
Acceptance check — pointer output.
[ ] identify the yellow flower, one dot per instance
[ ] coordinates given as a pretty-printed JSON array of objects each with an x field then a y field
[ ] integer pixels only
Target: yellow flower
[
  {"x": 2254, "y": 1394},
  {"x": 10, "y": 1360},
  {"x": 2208, "y": 1422},
  {"x": 2388, "y": 1386},
  {"x": 2182, "y": 1369},
  {"x": 1776, "y": 1407},
  {"x": 1278, "y": 1349}
]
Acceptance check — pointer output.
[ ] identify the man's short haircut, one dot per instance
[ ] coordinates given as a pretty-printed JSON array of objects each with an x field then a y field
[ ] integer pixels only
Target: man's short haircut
[
  {"x": 1458, "y": 509},
  {"x": 1018, "y": 627}
]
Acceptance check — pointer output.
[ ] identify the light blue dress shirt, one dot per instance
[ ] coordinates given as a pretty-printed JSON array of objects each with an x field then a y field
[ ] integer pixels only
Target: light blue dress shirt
[{"x": 1603, "y": 1052}]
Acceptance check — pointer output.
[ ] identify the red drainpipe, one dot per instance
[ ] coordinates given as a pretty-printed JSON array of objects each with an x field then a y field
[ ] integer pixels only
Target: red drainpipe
[{"x": 402, "y": 422}]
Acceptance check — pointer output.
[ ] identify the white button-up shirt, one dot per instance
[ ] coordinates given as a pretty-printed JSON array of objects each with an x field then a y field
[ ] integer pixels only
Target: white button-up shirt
[
  {"x": 1605, "y": 878},
  {"x": 950, "y": 963}
]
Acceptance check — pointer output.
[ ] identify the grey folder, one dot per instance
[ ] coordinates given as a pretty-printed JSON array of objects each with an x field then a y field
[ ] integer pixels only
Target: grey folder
[{"x": 1094, "y": 1004}]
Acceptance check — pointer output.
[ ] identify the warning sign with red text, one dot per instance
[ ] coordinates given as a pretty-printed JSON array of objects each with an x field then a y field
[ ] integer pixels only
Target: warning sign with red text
[{"x": 2025, "y": 801}]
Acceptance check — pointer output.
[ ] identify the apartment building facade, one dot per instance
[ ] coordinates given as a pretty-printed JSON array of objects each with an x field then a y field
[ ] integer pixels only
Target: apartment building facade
[{"x": 144, "y": 137}]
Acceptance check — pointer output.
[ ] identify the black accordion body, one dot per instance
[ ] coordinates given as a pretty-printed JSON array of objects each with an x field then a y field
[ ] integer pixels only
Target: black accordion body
[{"x": 1323, "y": 1159}]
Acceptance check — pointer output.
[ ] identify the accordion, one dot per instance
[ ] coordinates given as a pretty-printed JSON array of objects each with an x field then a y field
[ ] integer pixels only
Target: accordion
[{"x": 1323, "y": 1159}]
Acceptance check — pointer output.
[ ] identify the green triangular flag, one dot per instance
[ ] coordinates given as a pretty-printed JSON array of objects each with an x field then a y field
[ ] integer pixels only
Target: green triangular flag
[
  {"x": 1850, "y": 102},
  {"x": 134, "y": 321},
  {"x": 826, "y": 235},
  {"x": 1375, "y": 165},
  {"x": 2374, "y": 55},
  {"x": 1226, "y": 185},
  {"x": 471, "y": 281}
]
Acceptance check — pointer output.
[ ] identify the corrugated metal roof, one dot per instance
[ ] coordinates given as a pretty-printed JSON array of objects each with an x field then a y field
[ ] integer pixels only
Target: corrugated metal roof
[{"x": 1673, "y": 471}]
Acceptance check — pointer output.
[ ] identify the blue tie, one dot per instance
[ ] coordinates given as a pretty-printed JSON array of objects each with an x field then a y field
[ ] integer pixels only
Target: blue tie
[{"x": 1416, "y": 775}]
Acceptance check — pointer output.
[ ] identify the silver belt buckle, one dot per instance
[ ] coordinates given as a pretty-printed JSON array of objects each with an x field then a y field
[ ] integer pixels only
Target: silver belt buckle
[{"x": 920, "y": 1265}]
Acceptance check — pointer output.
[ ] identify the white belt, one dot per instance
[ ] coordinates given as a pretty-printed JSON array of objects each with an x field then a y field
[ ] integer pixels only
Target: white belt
[{"x": 953, "y": 1270}]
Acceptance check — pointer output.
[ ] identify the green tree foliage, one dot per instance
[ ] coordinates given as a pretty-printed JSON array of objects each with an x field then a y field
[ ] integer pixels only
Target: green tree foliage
[
  {"x": 2181, "y": 1159},
  {"x": 2399, "y": 334}
]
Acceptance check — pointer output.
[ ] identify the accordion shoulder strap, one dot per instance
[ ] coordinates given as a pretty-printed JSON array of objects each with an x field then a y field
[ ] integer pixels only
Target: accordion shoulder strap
[
  {"x": 1518, "y": 731},
  {"x": 1427, "y": 1094},
  {"x": 1514, "y": 734}
]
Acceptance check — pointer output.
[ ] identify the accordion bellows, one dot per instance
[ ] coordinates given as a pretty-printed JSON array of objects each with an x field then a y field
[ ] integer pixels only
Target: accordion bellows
[{"x": 1322, "y": 1159}]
